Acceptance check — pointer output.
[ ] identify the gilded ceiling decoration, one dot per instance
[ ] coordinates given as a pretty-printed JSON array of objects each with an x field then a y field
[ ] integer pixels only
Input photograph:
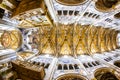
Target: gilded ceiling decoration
[
  {"x": 106, "y": 5},
  {"x": 108, "y": 39},
  {"x": 102, "y": 74},
  {"x": 71, "y": 76},
  {"x": 71, "y": 2},
  {"x": 109, "y": 3},
  {"x": 48, "y": 43},
  {"x": 65, "y": 39},
  {"x": 24, "y": 55},
  {"x": 11, "y": 39},
  {"x": 29, "y": 16},
  {"x": 26, "y": 6},
  {"x": 70, "y": 40},
  {"x": 80, "y": 39},
  {"x": 60, "y": 39}
]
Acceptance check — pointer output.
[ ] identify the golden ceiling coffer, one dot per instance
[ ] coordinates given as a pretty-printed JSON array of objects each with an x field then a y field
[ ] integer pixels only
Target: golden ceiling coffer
[
  {"x": 106, "y": 5},
  {"x": 32, "y": 13},
  {"x": 71, "y": 2},
  {"x": 67, "y": 40}
]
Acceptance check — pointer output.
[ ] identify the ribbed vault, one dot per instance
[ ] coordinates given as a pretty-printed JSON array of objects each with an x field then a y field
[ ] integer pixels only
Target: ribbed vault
[{"x": 71, "y": 40}]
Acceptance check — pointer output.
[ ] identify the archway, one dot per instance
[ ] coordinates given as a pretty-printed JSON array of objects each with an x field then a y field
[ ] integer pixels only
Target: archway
[
  {"x": 71, "y": 76},
  {"x": 105, "y": 74},
  {"x": 117, "y": 63}
]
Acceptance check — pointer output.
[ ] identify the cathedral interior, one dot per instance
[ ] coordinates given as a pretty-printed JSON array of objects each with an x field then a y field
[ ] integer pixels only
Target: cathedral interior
[{"x": 59, "y": 39}]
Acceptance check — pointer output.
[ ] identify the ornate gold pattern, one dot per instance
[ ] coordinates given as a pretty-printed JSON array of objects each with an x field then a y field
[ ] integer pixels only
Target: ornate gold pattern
[
  {"x": 32, "y": 16},
  {"x": 71, "y": 76},
  {"x": 105, "y": 74},
  {"x": 70, "y": 40},
  {"x": 11, "y": 39},
  {"x": 106, "y": 5},
  {"x": 24, "y": 54},
  {"x": 48, "y": 40},
  {"x": 71, "y": 2}
]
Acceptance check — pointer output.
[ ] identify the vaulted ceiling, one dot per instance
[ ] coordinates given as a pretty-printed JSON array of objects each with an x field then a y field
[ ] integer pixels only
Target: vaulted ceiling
[{"x": 67, "y": 27}]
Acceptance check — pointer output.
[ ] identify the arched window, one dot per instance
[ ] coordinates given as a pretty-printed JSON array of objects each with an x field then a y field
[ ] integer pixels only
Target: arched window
[
  {"x": 65, "y": 12},
  {"x": 70, "y": 12},
  {"x": 90, "y": 65},
  {"x": 47, "y": 65},
  {"x": 94, "y": 64},
  {"x": 76, "y": 66},
  {"x": 70, "y": 66},
  {"x": 85, "y": 65},
  {"x": 65, "y": 67},
  {"x": 59, "y": 12},
  {"x": 97, "y": 62},
  {"x": 38, "y": 63},
  {"x": 42, "y": 64},
  {"x": 59, "y": 67}
]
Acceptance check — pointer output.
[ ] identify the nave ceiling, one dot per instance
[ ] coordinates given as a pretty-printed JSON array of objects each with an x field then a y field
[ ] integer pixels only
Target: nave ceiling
[{"x": 60, "y": 39}]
